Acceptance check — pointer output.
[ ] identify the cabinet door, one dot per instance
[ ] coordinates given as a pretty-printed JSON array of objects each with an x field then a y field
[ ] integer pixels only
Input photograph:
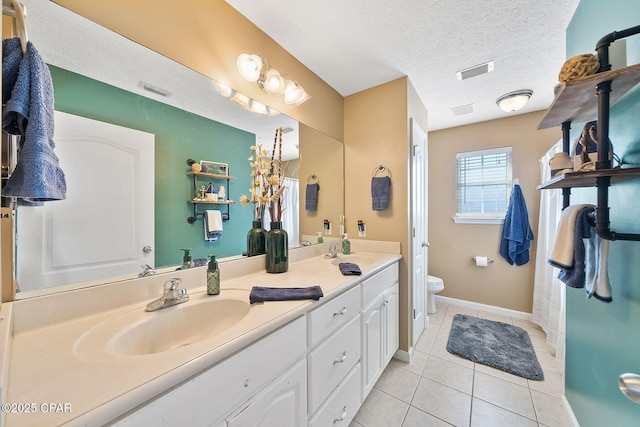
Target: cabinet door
[
  {"x": 284, "y": 404},
  {"x": 372, "y": 342},
  {"x": 391, "y": 323}
]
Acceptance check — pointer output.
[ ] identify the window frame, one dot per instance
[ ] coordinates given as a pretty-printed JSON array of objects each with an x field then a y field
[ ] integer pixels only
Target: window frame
[{"x": 480, "y": 217}]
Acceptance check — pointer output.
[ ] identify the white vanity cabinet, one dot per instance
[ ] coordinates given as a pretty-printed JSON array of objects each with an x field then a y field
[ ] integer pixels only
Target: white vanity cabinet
[
  {"x": 379, "y": 325},
  {"x": 261, "y": 380},
  {"x": 334, "y": 359}
]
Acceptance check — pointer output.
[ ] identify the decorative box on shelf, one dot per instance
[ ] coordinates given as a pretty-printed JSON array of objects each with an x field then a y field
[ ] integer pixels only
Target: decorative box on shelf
[{"x": 214, "y": 168}]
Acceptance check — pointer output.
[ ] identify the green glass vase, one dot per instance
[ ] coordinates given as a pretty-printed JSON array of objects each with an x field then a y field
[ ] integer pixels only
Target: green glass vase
[
  {"x": 256, "y": 239},
  {"x": 277, "y": 249}
]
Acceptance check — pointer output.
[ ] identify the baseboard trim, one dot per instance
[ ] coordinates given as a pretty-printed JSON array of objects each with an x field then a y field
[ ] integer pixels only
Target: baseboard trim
[
  {"x": 404, "y": 356},
  {"x": 485, "y": 307},
  {"x": 570, "y": 414}
]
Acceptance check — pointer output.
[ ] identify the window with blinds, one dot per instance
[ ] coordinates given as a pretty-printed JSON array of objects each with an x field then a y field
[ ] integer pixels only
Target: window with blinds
[{"x": 483, "y": 183}]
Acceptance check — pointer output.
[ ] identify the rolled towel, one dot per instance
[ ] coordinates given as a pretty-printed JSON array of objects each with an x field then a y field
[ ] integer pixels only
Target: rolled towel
[
  {"x": 260, "y": 293},
  {"x": 574, "y": 276},
  {"x": 563, "y": 253},
  {"x": 380, "y": 192},
  {"x": 311, "y": 196},
  {"x": 349, "y": 269}
]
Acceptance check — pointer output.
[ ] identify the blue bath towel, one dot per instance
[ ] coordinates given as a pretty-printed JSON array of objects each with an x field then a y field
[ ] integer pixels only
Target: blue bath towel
[
  {"x": 260, "y": 293},
  {"x": 311, "y": 197},
  {"x": 27, "y": 96},
  {"x": 380, "y": 192},
  {"x": 349, "y": 269},
  {"x": 516, "y": 231}
]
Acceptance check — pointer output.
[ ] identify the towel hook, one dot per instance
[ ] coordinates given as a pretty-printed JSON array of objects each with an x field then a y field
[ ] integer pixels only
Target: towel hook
[
  {"x": 381, "y": 168},
  {"x": 21, "y": 25},
  {"x": 313, "y": 179}
]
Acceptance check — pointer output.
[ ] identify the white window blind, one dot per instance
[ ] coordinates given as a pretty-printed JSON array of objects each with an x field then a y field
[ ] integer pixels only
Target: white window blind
[{"x": 483, "y": 183}]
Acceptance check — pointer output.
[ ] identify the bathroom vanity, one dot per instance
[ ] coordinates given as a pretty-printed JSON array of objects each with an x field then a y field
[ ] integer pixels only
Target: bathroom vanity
[{"x": 99, "y": 358}]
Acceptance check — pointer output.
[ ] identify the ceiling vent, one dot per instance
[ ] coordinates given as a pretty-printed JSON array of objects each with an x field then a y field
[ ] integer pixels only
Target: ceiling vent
[
  {"x": 463, "y": 109},
  {"x": 476, "y": 70},
  {"x": 155, "y": 90}
]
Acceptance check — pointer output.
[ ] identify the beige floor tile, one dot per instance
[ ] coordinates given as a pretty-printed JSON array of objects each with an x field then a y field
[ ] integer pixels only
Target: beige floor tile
[
  {"x": 440, "y": 350},
  {"x": 456, "y": 309},
  {"x": 398, "y": 383},
  {"x": 496, "y": 317},
  {"x": 417, "y": 418},
  {"x": 381, "y": 410},
  {"x": 425, "y": 344},
  {"x": 550, "y": 364},
  {"x": 550, "y": 410},
  {"x": 552, "y": 385},
  {"x": 450, "y": 374},
  {"x": 501, "y": 374},
  {"x": 435, "y": 318},
  {"x": 417, "y": 364},
  {"x": 443, "y": 402},
  {"x": 505, "y": 394},
  {"x": 531, "y": 328},
  {"x": 484, "y": 414}
]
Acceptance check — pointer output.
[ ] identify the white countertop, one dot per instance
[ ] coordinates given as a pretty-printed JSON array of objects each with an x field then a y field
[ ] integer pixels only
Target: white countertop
[{"x": 89, "y": 385}]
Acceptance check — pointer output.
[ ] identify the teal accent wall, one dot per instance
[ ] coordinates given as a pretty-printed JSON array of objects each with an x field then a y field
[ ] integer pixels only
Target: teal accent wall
[
  {"x": 603, "y": 340},
  {"x": 179, "y": 135}
]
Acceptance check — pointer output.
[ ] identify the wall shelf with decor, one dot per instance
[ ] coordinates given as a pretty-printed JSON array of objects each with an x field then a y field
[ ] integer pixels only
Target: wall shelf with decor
[
  {"x": 211, "y": 176},
  {"x": 574, "y": 101}
]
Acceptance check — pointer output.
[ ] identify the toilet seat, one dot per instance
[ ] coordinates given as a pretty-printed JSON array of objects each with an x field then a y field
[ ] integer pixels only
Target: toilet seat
[{"x": 434, "y": 284}]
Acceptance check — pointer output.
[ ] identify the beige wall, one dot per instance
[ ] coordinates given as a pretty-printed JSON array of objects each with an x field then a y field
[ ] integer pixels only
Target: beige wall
[
  {"x": 377, "y": 133},
  {"x": 315, "y": 145},
  {"x": 454, "y": 245},
  {"x": 207, "y": 36}
]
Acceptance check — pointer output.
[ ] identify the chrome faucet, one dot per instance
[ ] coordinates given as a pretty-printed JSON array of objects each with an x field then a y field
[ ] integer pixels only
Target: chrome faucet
[
  {"x": 171, "y": 295},
  {"x": 146, "y": 271},
  {"x": 334, "y": 250}
]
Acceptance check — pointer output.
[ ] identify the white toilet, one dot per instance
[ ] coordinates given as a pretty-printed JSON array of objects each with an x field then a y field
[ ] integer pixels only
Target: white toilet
[{"x": 434, "y": 285}]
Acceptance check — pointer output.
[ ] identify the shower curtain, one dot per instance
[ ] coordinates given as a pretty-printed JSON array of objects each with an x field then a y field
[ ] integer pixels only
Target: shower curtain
[
  {"x": 290, "y": 214},
  {"x": 548, "y": 290}
]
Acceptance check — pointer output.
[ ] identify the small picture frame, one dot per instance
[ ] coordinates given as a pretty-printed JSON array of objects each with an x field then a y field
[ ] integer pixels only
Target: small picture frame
[{"x": 215, "y": 167}]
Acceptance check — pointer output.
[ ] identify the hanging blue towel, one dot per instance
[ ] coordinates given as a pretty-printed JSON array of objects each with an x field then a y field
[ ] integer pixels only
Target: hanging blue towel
[
  {"x": 260, "y": 293},
  {"x": 311, "y": 197},
  {"x": 380, "y": 192},
  {"x": 516, "y": 231},
  {"x": 574, "y": 275},
  {"x": 27, "y": 96}
]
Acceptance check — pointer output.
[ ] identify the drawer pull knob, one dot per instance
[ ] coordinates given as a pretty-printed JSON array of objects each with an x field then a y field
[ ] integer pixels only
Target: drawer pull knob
[
  {"x": 342, "y": 416},
  {"x": 341, "y": 312},
  {"x": 342, "y": 358}
]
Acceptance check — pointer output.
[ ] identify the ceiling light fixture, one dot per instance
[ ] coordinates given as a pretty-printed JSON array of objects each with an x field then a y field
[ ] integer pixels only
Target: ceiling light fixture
[
  {"x": 255, "y": 69},
  {"x": 513, "y": 101}
]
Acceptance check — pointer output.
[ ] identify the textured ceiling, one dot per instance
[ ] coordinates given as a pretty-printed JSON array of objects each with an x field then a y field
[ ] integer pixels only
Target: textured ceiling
[{"x": 357, "y": 44}]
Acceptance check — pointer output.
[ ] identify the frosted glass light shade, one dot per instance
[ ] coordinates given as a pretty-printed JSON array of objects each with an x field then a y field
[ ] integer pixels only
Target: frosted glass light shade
[
  {"x": 513, "y": 101},
  {"x": 249, "y": 66},
  {"x": 274, "y": 83},
  {"x": 295, "y": 94},
  {"x": 222, "y": 89}
]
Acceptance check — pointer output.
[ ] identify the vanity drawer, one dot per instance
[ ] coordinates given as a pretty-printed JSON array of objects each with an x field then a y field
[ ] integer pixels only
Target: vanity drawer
[
  {"x": 374, "y": 286},
  {"x": 333, "y": 314},
  {"x": 343, "y": 404},
  {"x": 330, "y": 362}
]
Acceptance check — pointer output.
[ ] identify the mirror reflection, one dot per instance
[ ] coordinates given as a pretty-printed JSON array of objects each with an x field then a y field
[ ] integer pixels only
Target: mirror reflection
[{"x": 105, "y": 83}]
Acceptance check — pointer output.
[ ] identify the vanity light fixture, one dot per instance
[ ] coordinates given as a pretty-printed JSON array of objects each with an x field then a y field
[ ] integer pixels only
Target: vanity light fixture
[
  {"x": 255, "y": 69},
  {"x": 243, "y": 100},
  {"x": 513, "y": 101}
]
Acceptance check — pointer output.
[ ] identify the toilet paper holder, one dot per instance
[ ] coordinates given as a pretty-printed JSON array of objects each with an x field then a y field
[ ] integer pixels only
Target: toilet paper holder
[{"x": 488, "y": 259}]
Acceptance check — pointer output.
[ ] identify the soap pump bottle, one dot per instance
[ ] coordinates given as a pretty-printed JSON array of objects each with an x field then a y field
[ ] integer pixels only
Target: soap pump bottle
[
  {"x": 320, "y": 239},
  {"x": 213, "y": 276},
  {"x": 346, "y": 245},
  {"x": 187, "y": 261}
]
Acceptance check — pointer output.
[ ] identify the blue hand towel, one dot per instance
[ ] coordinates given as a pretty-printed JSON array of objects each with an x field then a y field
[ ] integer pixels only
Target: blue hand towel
[
  {"x": 311, "y": 197},
  {"x": 349, "y": 269},
  {"x": 516, "y": 231},
  {"x": 380, "y": 192},
  {"x": 574, "y": 276},
  {"x": 260, "y": 293},
  {"x": 27, "y": 94}
]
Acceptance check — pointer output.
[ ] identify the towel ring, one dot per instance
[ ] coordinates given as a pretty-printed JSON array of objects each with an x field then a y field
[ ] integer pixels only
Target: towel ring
[
  {"x": 381, "y": 168},
  {"x": 313, "y": 179}
]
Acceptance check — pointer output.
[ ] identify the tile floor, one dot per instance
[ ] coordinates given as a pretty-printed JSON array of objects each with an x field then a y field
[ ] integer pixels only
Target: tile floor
[{"x": 440, "y": 389}]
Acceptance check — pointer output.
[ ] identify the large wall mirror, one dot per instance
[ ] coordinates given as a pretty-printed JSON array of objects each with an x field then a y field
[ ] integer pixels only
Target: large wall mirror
[{"x": 105, "y": 78}]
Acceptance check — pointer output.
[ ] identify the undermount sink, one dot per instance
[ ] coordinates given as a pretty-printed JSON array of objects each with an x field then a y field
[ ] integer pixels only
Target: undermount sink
[
  {"x": 138, "y": 332},
  {"x": 352, "y": 258}
]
